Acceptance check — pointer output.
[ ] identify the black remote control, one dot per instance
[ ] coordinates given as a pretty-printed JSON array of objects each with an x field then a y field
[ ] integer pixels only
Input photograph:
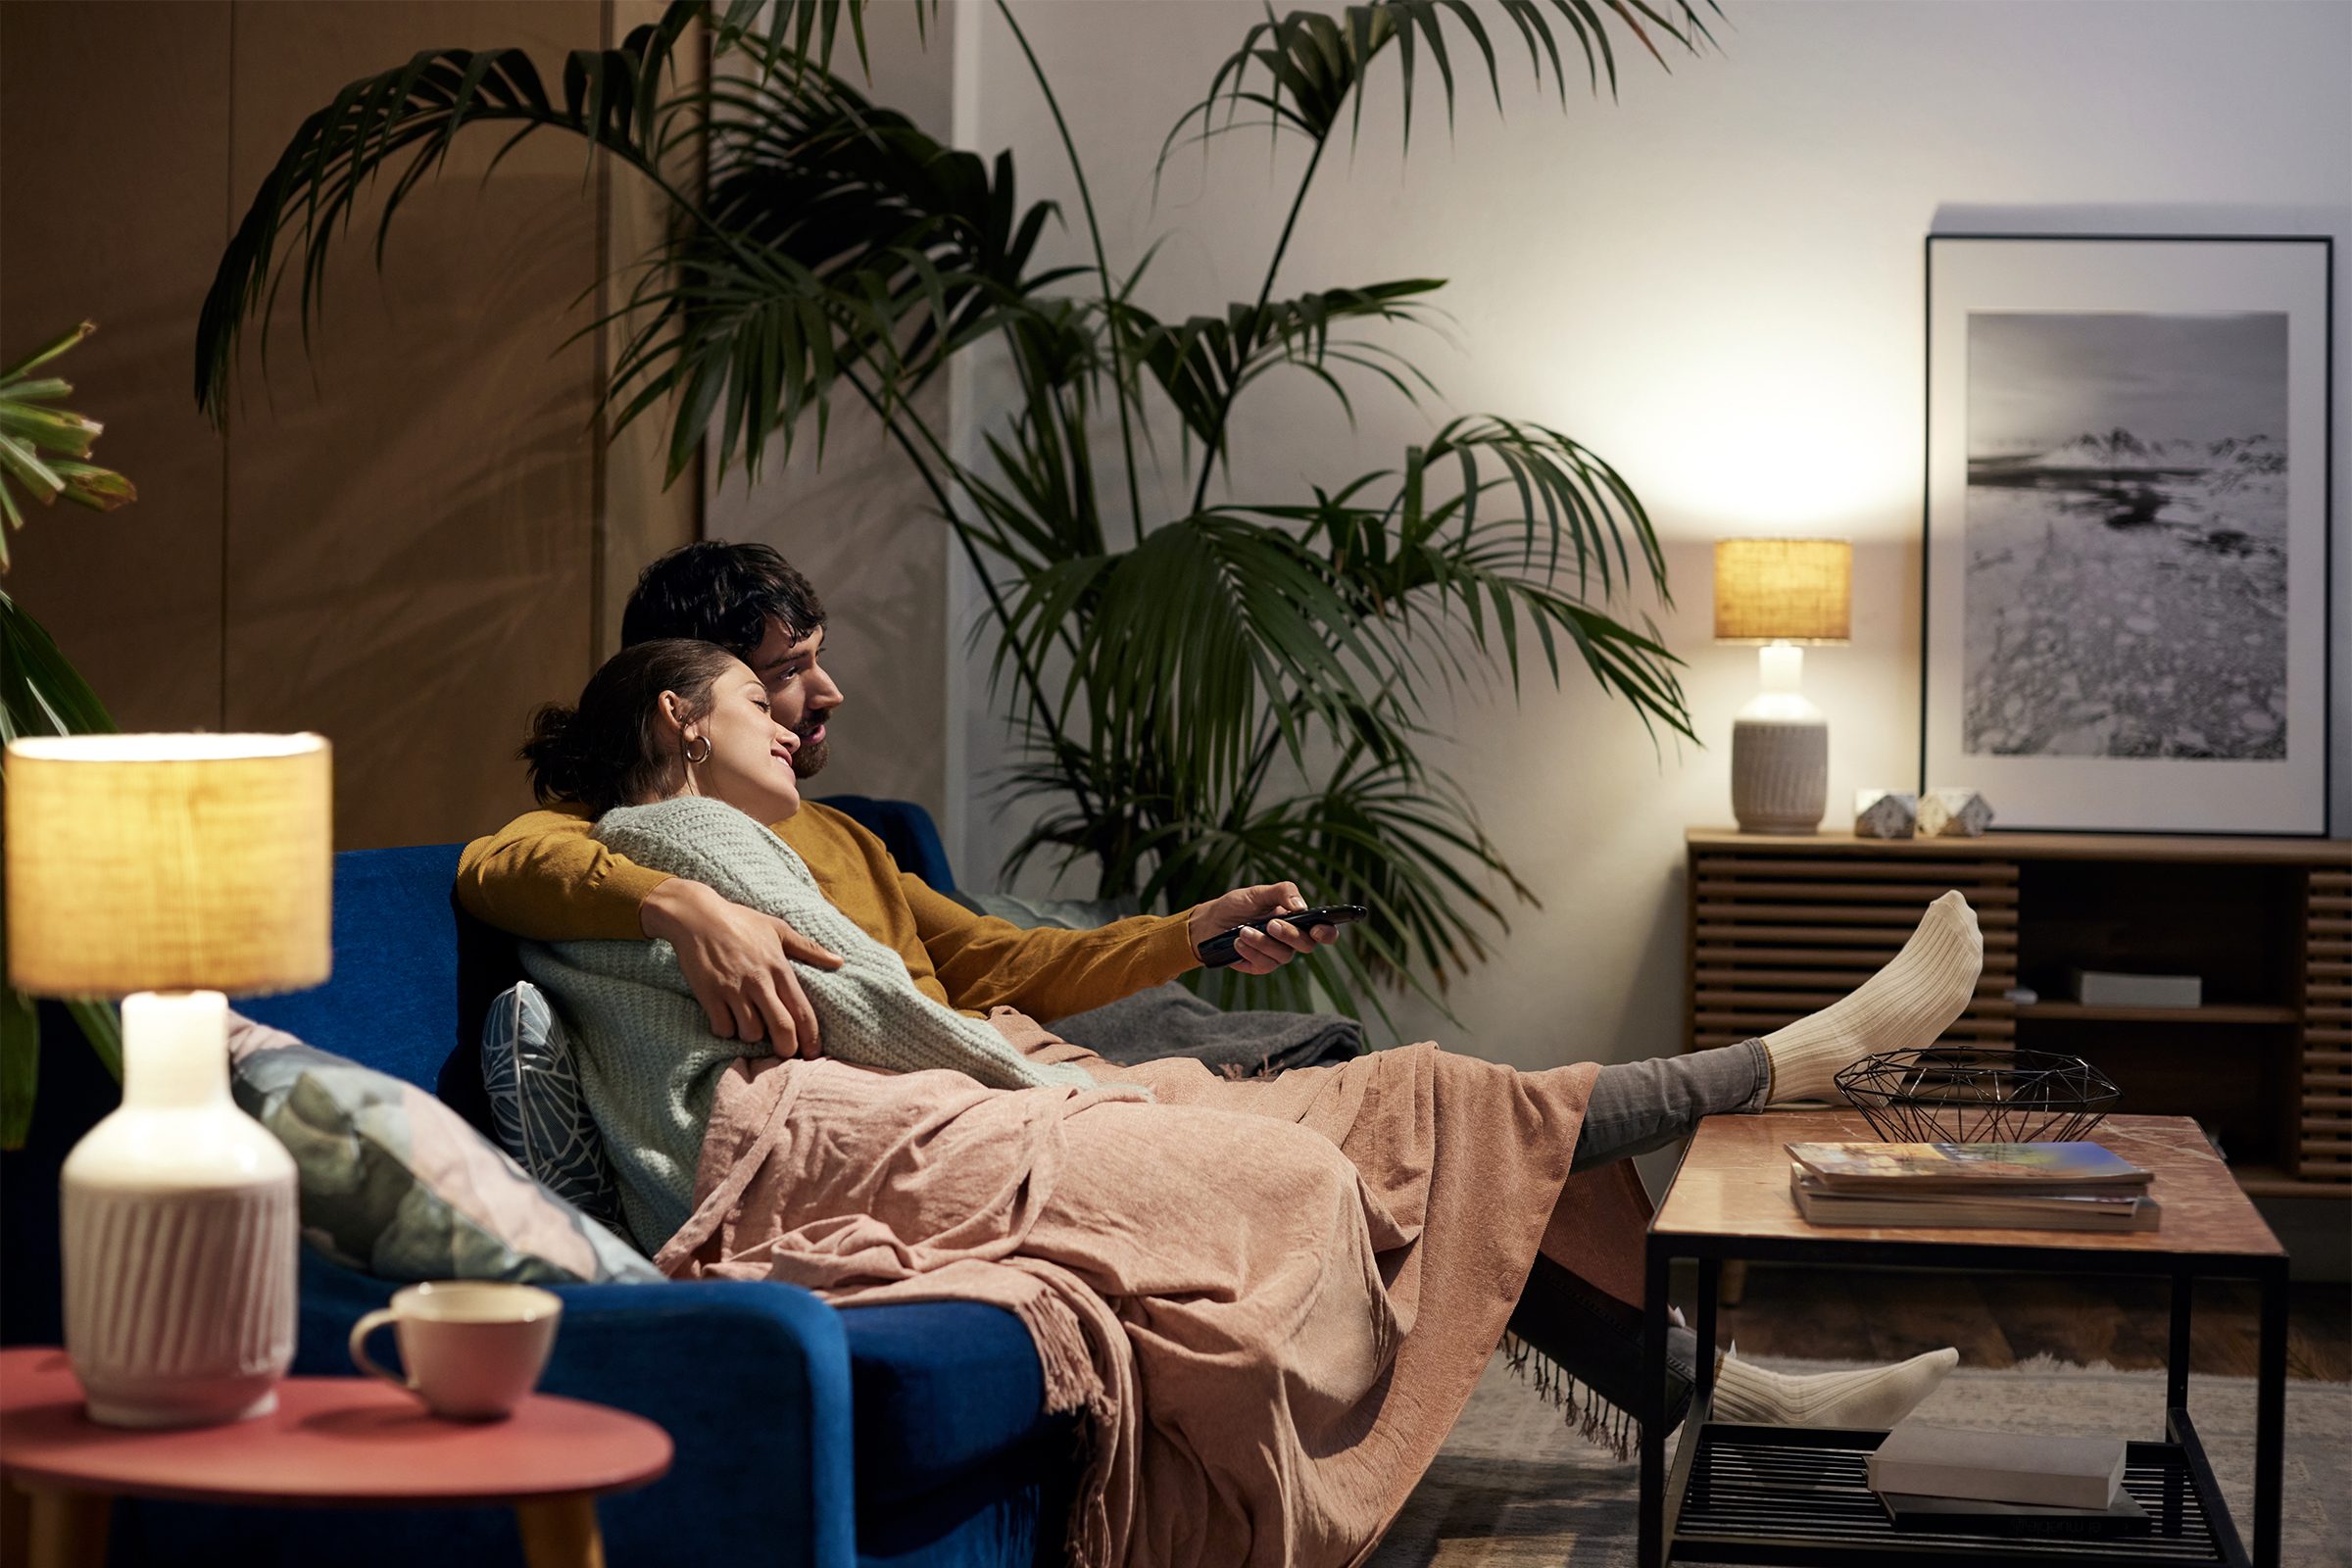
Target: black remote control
[{"x": 1218, "y": 950}]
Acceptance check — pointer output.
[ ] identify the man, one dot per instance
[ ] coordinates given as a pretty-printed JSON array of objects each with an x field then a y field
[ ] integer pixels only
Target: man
[{"x": 542, "y": 876}]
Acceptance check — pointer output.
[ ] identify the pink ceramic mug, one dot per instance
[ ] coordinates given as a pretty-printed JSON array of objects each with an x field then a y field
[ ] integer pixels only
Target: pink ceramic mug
[{"x": 472, "y": 1349}]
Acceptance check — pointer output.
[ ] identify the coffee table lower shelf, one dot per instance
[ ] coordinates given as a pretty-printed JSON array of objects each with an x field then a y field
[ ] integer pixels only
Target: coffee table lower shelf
[{"x": 1801, "y": 1495}]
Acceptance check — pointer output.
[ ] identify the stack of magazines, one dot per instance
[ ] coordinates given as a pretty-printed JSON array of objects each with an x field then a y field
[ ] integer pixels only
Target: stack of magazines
[{"x": 2054, "y": 1187}]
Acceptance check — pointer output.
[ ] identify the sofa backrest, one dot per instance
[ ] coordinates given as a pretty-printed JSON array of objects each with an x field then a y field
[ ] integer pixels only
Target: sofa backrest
[
  {"x": 392, "y": 1002},
  {"x": 905, "y": 830}
]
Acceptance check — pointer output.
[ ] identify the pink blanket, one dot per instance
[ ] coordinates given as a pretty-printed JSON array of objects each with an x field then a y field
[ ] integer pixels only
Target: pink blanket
[{"x": 1270, "y": 1298}]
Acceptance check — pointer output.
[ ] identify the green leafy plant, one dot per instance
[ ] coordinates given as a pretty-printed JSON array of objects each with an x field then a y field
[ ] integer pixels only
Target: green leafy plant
[
  {"x": 1239, "y": 691},
  {"x": 43, "y": 452}
]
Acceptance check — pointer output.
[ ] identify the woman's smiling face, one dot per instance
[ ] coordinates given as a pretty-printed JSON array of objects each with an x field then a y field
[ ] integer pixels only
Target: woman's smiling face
[{"x": 750, "y": 766}]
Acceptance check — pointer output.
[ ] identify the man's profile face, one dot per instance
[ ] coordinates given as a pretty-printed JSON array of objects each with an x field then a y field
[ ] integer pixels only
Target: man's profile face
[{"x": 798, "y": 691}]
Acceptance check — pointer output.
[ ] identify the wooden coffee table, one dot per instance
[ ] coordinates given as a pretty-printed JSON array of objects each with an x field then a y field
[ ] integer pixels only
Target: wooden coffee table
[
  {"x": 332, "y": 1441},
  {"x": 1798, "y": 1495}
]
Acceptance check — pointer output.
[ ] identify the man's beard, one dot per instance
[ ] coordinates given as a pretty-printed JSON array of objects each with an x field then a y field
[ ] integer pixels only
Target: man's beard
[{"x": 810, "y": 759}]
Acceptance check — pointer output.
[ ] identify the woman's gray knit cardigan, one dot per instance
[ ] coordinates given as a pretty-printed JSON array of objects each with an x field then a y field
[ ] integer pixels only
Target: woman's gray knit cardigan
[{"x": 647, "y": 1061}]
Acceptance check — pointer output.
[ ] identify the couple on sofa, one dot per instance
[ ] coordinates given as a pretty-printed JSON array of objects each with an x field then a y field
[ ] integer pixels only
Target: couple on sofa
[{"x": 1270, "y": 1298}]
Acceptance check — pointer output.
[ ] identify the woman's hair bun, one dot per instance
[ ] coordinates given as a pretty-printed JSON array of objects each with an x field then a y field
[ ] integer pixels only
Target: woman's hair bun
[
  {"x": 613, "y": 749},
  {"x": 553, "y": 752}
]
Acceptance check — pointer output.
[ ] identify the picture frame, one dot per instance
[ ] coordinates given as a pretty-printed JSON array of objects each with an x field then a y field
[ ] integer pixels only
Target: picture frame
[{"x": 2128, "y": 497}]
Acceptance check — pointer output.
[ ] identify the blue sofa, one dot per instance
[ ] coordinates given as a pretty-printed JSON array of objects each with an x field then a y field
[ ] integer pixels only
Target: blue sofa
[{"x": 805, "y": 1433}]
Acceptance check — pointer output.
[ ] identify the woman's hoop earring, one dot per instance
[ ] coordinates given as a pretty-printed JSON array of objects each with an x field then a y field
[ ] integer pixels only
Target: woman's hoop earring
[{"x": 693, "y": 760}]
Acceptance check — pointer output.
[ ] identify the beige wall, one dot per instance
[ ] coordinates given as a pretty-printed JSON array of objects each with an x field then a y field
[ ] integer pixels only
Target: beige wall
[{"x": 405, "y": 541}]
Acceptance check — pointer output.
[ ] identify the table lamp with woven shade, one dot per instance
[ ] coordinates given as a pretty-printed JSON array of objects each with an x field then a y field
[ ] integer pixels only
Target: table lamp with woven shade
[
  {"x": 1782, "y": 593},
  {"x": 167, "y": 870}
]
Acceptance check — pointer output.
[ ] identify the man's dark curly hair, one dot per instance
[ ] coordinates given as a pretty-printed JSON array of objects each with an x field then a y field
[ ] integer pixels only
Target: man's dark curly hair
[{"x": 720, "y": 593}]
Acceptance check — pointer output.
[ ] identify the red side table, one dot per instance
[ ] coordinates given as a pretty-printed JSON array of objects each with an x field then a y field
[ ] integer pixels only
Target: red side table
[{"x": 332, "y": 1441}]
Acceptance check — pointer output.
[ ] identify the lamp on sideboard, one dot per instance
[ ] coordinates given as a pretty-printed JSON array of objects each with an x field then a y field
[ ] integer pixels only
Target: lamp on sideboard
[
  {"x": 1782, "y": 594},
  {"x": 167, "y": 871}
]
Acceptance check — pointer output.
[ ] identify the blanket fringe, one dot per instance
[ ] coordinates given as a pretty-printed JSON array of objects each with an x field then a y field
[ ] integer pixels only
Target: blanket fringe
[
  {"x": 1591, "y": 1416},
  {"x": 1072, "y": 1383}
]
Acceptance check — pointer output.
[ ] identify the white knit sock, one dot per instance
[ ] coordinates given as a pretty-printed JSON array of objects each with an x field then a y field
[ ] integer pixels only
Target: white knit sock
[
  {"x": 1904, "y": 1006},
  {"x": 1866, "y": 1397}
]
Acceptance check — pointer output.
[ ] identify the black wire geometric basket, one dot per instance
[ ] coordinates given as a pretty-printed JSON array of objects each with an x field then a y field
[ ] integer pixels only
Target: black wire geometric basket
[{"x": 1975, "y": 1094}]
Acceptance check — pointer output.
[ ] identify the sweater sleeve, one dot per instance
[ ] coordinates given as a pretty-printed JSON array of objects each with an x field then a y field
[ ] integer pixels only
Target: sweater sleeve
[
  {"x": 544, "y": 878},
  {"x": 985, "y": 962}
]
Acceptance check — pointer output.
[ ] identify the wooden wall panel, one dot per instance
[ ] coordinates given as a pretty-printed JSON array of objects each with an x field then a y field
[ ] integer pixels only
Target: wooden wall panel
[
  {"x": 113, "y": 152},
  {"x": 409, "y": 539},
  {"x": 406, "y": 541},
  {"x": 2324, "y": 1123},
  {"x": 637, "y": 518}
]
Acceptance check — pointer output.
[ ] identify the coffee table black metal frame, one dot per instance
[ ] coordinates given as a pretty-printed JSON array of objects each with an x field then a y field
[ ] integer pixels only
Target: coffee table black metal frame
[{"x": 1796, "y": 1496}]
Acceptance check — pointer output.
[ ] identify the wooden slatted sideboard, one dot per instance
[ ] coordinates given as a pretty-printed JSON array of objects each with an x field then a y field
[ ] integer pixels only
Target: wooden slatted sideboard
[{"x": 1780, "y": 926}]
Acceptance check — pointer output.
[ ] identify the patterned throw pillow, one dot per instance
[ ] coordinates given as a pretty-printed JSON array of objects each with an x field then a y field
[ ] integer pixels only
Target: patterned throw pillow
[
  {"x": 535, "y": 1102},
  {"x": 395, "y": 1184}
]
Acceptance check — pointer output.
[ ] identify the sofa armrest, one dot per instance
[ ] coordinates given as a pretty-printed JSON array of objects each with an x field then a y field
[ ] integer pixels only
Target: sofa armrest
[{"x": 750, "y": 1379}]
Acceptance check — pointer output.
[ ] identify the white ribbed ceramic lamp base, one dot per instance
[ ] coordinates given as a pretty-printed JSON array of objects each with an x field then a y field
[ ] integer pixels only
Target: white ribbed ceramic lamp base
[
  {"x": 180, "y": 1306},
  {"x": 179, "y": 1234},
  {"x": 1780, "y": 774}
]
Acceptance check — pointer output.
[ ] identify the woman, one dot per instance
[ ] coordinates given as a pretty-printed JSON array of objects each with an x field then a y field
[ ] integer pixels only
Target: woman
[{"x": 1271, "y": 1298}]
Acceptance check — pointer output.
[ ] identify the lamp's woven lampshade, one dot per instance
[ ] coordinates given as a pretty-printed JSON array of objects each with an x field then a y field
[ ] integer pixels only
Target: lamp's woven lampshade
[
  {"x": 1790, "y": 589},
  {"x": 169, "y": 862}
]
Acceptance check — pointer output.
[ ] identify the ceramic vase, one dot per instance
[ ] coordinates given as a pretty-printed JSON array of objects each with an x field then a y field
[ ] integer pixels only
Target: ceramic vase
[{"x": 1780, "y": 774}]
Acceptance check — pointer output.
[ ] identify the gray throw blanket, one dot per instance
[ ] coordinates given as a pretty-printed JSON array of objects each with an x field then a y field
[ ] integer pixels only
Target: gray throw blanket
[
  {"x": 1172, "y": 1021},
  {"x": 647, "y": 1061},
  {"x": 1169, "y": 1020}
]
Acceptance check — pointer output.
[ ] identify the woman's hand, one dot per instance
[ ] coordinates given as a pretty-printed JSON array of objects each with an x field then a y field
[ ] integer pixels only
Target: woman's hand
[
  {"x": 1275, "y": 944},
  {"x": 737, "y": 963}
]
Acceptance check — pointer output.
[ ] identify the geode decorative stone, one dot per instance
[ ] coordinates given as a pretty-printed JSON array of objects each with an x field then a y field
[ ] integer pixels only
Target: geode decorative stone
[
  {"x": 1953, "y": 814},
  {"x": 1884, "y": 815}
]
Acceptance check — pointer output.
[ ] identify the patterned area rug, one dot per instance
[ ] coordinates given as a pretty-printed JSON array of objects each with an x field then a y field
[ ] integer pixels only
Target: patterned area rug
[{"x": 1515, "y": 1488}]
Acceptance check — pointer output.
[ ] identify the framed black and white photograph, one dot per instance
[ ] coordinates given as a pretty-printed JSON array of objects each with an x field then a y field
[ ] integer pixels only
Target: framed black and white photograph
[{"x": 2127, "y": 615}]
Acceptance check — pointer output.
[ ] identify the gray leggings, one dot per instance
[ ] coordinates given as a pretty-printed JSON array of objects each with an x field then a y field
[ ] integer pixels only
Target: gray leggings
[
  {"x": 1636, "y": 1106},
  {"x": 1640, "y": 1105}
]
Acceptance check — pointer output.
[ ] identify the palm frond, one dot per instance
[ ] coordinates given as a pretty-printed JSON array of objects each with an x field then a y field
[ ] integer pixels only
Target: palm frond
[
  {"x": 835, "y": 239},
  {"x": 791, "y": 35},
  {"x": 1303, "y": 71},
  {"x": 403, "y": 123},
  {"x": 41, "y": 693},
  {"x": 1178, "y": 645},
  {"x": 42, "y": 447},
  {"x": 1202, "y": 363},
  {"x": 1431, "y": 577}
]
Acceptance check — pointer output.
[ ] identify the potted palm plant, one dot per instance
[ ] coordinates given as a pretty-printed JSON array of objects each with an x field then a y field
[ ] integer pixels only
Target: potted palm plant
[
  {"x": 1241, "y": 684},
  {"x": 44, "y": 452}
]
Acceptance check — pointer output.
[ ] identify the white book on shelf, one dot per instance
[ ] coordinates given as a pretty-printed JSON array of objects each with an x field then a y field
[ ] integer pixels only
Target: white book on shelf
[
  {"x": 2112, "y": 987},
  {"x": 1939, "y": 1461}
]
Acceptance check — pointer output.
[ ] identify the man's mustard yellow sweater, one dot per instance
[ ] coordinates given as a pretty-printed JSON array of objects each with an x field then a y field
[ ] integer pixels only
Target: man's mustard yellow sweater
[{"x": 540, "y": 876}]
